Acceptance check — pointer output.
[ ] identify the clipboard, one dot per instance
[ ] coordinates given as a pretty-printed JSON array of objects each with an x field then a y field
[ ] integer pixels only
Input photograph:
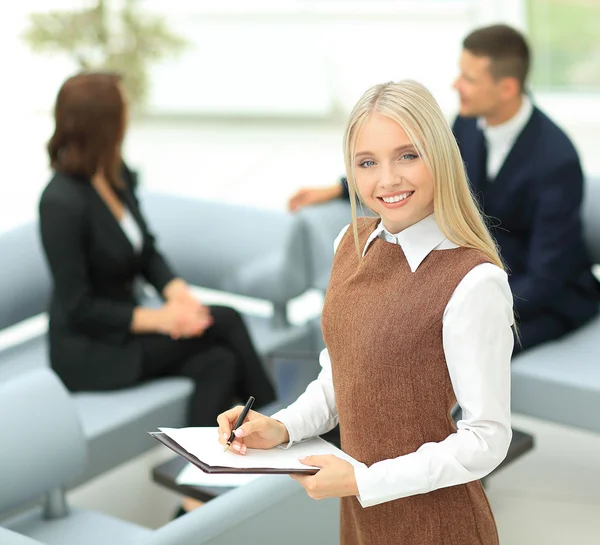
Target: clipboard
[{"x": 177, "y": 448}]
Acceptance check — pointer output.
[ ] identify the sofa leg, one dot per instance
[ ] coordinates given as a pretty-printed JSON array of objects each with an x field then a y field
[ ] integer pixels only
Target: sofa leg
[
  {"x": 55, "y": 504},
  {"x": 280, "y": 318}
]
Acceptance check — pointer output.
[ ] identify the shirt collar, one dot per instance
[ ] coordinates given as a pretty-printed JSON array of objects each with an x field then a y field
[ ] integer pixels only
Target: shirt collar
[
  {"x": 509, "y": 130},
  {"x": 416, "y": 241}
]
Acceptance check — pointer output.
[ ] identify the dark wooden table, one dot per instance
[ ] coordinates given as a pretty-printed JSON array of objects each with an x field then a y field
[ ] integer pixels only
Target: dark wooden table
[
  {"x": 521, "y": 444},
  {"x": 166, "y": 475},
  {"x": 167, "y": 472}
]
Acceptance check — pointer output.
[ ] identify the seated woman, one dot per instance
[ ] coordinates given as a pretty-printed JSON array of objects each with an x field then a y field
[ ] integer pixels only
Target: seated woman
[{"x": 97, "y": 244}]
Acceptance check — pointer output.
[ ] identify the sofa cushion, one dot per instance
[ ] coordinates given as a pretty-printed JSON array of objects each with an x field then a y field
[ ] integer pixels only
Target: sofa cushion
[
  {"x": 560, "y": 380},
  {"x": 116, "y": 422}
]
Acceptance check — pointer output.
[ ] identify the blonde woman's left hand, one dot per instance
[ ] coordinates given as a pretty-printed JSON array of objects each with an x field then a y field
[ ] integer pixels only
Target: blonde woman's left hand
[{"x": 335, "y": 479}]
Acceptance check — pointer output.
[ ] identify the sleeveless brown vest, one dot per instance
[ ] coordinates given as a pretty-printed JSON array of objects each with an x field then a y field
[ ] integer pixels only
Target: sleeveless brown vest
[{"x": 382, "y": 325}]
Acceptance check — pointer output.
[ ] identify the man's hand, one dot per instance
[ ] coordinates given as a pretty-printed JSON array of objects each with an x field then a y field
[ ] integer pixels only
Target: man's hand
[{"x": 313, "y": 195}]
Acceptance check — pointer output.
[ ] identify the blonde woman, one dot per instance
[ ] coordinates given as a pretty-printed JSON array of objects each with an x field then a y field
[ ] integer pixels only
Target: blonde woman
[{"x": 417, "y": 315}]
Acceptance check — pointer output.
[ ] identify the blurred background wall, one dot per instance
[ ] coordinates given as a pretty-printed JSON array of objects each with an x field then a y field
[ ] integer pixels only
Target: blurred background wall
[{"x": 254, "y": 106}]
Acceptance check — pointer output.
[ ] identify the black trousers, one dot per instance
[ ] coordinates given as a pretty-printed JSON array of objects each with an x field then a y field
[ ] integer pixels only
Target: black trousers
[{"x": 222, "y": 362}]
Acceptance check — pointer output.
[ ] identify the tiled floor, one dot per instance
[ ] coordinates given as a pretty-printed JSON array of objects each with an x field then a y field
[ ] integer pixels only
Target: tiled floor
[{"x": 550, "y": 496}]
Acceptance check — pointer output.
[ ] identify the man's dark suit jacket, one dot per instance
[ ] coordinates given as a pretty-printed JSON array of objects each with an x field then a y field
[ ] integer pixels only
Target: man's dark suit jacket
[
  {"x": 93, "y": 268},
  {"x": 534, "y": 211}
]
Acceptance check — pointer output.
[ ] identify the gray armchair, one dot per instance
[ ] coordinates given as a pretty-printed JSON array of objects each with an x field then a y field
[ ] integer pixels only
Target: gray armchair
[{"x": 44, "y": 451}]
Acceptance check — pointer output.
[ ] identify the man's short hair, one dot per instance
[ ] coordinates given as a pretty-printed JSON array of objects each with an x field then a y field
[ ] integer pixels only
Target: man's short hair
[{"x": 506, "y": 48}]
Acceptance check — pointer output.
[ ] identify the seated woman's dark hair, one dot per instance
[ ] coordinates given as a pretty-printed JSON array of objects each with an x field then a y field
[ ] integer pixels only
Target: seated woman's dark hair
[{"x": 90, "y": 116}]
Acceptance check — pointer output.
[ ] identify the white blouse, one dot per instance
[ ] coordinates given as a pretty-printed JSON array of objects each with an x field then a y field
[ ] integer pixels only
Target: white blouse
[
  {"x": 478, "y": 343},
  {"x": 132, "y": 231}
]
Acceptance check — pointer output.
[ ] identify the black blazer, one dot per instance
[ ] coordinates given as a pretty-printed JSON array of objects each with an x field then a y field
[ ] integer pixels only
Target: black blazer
[
  {"x": 534, "y": 211},
  {"x": 93, "y": 267}
]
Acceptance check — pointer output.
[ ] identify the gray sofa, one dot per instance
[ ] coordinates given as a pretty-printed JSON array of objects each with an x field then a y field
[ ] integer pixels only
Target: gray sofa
[
  {"x": 47, "y": 452},
  {"x": 224, "y": 247}
]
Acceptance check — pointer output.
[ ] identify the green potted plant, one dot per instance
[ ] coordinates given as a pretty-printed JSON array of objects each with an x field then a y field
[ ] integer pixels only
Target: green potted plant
[{"x": 123, "y": 40}]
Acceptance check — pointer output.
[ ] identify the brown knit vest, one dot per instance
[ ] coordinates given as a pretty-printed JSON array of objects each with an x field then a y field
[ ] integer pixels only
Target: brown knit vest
[{"x": 382, "y": 325}]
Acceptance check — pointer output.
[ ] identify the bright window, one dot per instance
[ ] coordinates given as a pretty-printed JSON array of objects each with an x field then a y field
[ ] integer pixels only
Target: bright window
[{"x": 565, "y": 38}]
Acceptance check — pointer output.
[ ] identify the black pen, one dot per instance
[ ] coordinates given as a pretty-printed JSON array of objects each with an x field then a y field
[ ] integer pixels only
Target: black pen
[{"x": 240, "y": 420}]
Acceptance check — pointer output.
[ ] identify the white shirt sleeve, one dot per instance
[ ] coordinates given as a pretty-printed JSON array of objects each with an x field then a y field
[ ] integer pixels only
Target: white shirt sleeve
[
  {"x": 478, "y": 343},
  {"x": 314, "y": 412}
]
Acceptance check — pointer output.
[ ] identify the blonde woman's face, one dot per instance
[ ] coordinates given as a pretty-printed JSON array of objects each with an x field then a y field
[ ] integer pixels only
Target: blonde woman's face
[{"x": 390, "y": 176}]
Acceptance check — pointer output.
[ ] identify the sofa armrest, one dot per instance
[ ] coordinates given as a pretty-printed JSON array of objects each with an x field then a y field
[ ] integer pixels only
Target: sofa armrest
[{"x": 11, "y": 538}]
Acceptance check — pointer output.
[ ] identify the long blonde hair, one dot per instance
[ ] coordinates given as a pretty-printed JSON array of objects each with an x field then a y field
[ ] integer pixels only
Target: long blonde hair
[{"x": 413, "y": 107}]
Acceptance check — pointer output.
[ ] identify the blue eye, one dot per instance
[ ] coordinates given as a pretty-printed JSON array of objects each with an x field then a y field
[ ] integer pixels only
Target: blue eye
[
  {"x": 366, "y": 164},
  {"x": 409, "y": 156}
]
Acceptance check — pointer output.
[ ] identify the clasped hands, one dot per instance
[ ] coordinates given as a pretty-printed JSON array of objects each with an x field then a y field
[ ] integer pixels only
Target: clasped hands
[
  {"x": 184, "y": 315},
  {"x": 335, "y": 478}
]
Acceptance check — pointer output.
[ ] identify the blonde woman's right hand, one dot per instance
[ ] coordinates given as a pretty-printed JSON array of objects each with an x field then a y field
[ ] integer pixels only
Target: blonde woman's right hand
[{"x": 257, "y": 431}]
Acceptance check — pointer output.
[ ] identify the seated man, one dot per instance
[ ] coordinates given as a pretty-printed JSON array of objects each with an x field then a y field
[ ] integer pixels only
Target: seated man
[{"x": 526, "y": 175}]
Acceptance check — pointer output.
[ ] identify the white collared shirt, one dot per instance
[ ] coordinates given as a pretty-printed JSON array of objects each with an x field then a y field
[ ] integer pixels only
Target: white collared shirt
[
  {"x": 501, "y": 138},
  {"x": 478, "y": 343}
]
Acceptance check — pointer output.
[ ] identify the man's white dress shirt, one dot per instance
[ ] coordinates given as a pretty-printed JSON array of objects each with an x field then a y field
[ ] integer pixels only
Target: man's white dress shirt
[
  {"x": 478, "y": 343},
  {"x": 501, "y": 138}
]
